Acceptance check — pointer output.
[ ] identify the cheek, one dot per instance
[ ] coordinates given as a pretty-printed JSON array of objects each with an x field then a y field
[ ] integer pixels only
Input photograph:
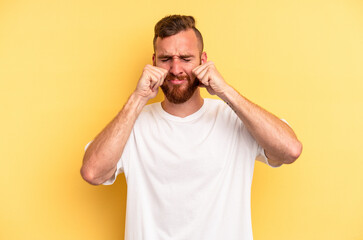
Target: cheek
[
  {"x": 189, "y": 69},
  {"x": 162, "y": 65}
]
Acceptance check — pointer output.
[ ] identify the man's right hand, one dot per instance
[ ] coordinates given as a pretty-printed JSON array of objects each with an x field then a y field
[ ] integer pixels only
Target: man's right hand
[
  {"x": 101, "y": 158},
  {"x": 151, "y": 79}
]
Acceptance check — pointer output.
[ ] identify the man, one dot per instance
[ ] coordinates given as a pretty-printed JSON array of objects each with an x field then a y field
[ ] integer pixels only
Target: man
[{"x": 188, "y": 161}]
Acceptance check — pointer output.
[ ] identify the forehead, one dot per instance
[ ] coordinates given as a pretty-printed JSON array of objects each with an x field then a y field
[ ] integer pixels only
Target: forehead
[{"x": 182, "y": 43}]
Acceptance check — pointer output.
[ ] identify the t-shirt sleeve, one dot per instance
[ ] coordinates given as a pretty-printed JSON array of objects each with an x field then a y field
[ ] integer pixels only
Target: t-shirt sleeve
[
  {"x": 261, "y": 156},
  {"x": 120, "y": 165},
  {"x": 119, "y": 169}
]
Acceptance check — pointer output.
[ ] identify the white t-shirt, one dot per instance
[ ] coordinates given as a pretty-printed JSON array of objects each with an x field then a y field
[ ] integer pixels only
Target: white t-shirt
[{"x": 189, "y": 178}]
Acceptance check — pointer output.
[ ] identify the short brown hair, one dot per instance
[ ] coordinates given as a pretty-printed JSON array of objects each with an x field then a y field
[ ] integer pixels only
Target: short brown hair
[{"x": 173, "y": 24}]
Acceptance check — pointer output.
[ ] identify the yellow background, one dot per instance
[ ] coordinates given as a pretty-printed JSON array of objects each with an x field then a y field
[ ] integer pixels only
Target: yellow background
[{"x": 67, "y": 67}]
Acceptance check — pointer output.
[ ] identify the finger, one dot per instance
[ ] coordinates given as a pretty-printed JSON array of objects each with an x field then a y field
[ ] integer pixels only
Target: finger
[
  {"x": 158, "y": 74},
  {"x": 202, "y": 67},
  {"x": 152, "y": 78},
  {"x": 163, "y": 72},
  {"x": 205, "y": 80},
  {"x": 158, "y": 82},
  {"x": 161, "y": 81},
  {"x": 204, "y": 72}
]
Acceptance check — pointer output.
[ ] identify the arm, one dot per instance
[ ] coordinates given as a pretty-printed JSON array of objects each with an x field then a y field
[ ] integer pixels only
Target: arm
[
  {"x": 100, "y": 159},
  {"x": 275, "y": 137}
]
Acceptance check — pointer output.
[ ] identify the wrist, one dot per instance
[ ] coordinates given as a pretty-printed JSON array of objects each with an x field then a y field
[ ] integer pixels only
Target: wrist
[
  {"x": 228, "y": 94},
  {"x": 139, "y": 100}
]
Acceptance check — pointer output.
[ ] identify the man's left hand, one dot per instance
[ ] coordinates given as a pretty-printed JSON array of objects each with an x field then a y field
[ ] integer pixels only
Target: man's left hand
[{"x": 210, "y": 78}]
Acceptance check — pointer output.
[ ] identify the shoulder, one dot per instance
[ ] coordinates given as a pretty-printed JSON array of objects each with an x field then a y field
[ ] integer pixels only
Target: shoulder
[
  {"x": 215, "y": 105},
  {"x": 213, "y": 102},
  {"x": 149, "y": 112},
  {"x": 150, "y": 109},
  {"x": 220, "y": 109}
]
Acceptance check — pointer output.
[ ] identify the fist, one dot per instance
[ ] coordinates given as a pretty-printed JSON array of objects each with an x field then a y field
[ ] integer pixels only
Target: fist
[
  {"x": 210, "y": 78},
  {"x": 151, "y": 79}
]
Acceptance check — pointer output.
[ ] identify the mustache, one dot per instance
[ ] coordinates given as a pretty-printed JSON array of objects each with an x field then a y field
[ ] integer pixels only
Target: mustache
[{"x": 171, "y": 76}]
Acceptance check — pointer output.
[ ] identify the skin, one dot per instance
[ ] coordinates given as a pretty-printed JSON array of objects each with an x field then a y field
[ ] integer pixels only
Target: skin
[{"x": 180, "y": 55}]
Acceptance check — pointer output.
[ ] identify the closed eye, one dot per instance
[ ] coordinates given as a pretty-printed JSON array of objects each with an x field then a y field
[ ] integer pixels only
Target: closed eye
[
  {"x": 165, "y": 59},
  {"x": 186, "y": 59}
]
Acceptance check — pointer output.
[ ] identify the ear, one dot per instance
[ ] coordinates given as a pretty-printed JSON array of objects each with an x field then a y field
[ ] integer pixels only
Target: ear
[
  {"x": 203, "y": 58},
  {"x": 154, "y": 60}
]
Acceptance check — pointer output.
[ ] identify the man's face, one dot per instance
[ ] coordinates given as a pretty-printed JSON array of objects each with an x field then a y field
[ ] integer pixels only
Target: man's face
[{"x": 179, "y": 54}]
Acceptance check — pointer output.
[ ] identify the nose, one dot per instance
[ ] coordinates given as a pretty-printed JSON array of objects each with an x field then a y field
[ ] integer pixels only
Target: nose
[{"x": 176, "y": 67}]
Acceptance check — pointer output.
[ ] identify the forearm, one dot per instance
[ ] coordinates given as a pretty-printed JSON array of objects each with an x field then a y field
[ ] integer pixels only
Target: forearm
[
  {"x": 275, "y": 136},
  {"x": 102, "y": 155}
]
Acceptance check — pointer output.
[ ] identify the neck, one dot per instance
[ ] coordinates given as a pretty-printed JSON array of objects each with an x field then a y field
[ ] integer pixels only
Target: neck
[{"x": 184, "y": 109}]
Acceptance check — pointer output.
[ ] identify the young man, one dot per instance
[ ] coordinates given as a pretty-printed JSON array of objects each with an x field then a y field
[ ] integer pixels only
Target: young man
[{"x": 188, "y": 161}]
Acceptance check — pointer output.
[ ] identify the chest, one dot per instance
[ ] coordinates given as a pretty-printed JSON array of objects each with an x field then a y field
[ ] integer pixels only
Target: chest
[{"x": 176, "y": 153}]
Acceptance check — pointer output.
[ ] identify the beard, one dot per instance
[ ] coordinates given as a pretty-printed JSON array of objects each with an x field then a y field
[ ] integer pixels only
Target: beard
[{"x": 179, "y": 93}]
